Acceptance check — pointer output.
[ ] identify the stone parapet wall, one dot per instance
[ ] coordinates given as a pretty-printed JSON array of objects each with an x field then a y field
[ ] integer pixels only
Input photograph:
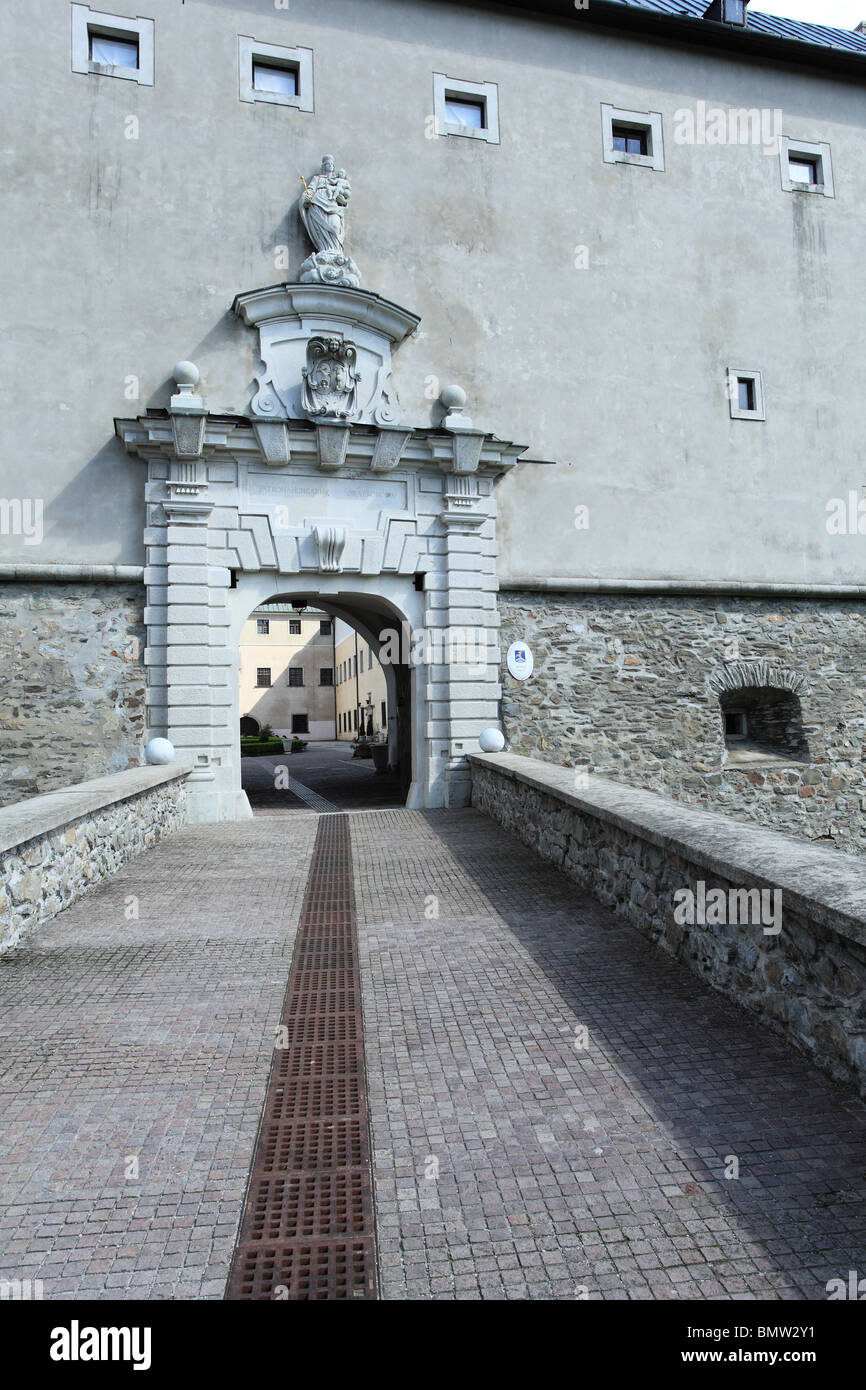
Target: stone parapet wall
[
  {"x": 636, "y": 852},
  {"x": 628, "y": 686},
  {"x": 55, "y": 848},
  {"x": 73, "y": 704}
]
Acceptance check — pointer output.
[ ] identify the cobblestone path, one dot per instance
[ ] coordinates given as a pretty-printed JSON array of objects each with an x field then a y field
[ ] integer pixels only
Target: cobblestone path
[
  {"x": 568, "y": 1171},
  {"x": 145, "y": 1039},
  {"x": 554, "y": 1103}
]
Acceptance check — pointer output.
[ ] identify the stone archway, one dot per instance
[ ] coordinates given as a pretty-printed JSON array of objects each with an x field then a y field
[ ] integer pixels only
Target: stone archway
[
  {"x": 319, "y": 490},
  {"x": 374, "y": 618}
]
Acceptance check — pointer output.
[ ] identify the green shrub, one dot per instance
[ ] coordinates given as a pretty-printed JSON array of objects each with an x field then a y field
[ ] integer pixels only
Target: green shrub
[{"x": 252, "y": 747}]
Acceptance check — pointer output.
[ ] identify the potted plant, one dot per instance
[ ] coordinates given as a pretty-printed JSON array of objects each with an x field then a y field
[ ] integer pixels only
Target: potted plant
[{"x": 380, "y": 756}]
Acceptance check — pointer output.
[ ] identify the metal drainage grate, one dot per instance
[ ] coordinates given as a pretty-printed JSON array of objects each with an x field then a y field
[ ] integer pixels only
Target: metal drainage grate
[{"x": 307, "y": 1228}]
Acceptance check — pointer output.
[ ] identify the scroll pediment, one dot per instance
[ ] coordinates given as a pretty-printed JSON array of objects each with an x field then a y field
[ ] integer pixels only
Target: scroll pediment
[{"x": 356, "y": 325}]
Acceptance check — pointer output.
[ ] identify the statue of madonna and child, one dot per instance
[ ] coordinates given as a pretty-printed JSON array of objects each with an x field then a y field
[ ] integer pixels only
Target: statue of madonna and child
[{"x": 322, "y": 206}]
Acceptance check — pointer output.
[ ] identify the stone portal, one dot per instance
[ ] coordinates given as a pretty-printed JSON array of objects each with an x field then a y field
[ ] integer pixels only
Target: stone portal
[{"x": 321, "y": 491}]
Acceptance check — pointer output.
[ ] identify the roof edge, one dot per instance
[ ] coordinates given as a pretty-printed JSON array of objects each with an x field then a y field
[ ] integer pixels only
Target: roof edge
[{"x": 730, "y": 39}]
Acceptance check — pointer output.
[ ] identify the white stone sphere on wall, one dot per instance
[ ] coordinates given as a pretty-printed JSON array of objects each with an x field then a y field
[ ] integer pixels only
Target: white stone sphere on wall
[
  {"x": 159, "y": 751},
  {"x": 453, "y": 397},
  {"x": 186, "y": 374},
  {"x": 492, "y": 741}
]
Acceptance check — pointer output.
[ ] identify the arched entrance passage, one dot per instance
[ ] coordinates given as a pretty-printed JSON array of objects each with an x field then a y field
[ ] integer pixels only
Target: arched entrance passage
[
  {"x": 381, "y": 623},
  {"x": 336, "y": 500}
]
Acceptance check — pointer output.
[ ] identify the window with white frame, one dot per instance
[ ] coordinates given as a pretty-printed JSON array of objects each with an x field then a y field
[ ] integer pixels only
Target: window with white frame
[
  {"x": 110, "y": 45},
  {"x": 806, "y": 167},
  {"x": 632, "y": 137},
  {"x": 263, "y": 626},
  {"x": 746, "y": 394},
  {"x": 466, "y": 108},
  {"x": 269, "y": 72}
]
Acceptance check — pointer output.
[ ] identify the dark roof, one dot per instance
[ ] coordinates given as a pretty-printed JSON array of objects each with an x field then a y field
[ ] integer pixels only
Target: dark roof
[{"x": 759, "y": 23}]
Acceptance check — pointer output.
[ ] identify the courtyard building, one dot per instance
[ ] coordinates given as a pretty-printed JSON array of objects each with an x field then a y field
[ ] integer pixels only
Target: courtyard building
[
  {"x": 362, "y": 693},
  {"x": 286, "y": 672}
]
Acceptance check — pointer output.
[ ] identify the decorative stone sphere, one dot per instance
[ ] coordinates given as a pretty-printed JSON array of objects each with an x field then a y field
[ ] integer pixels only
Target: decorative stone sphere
[
  {"x": 186, "y": 374},
  {"x": 159, "y": 751},
  {"x": 453, "y": 397},
  {"x": 491, "y": 741}
]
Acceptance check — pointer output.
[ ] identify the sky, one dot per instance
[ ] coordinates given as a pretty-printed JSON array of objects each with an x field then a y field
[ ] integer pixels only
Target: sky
[{"x": 839, "y": 14}]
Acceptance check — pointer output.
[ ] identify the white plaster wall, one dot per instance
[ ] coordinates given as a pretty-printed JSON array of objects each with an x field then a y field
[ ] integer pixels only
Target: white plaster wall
[{"x": 123, "y": 255}]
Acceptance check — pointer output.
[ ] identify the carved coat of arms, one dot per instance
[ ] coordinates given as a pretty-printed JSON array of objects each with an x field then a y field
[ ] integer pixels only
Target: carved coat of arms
[{"x": 331, "y": 379}]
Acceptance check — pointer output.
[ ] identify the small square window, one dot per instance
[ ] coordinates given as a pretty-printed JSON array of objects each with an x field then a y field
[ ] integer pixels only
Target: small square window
[
  {"x": 269, "y": 72},
  {"x": 296, "y": 676},
  {"x": 806, "y": 167},
  {"x": 468, "y": 113},
  {"x": 466, "y": 108},
  {"x": 325, "y": 627},
  {"x": 273, "y": 79},
  {"x": 263, "y": 676},
  {"x": 300, "y": 724},
  {"x": 294, "y": 627},
  {"x": 326, "y": 675},
  {"x": 109, "y": 45},
  {"x": 263, "y": 626},
  {"x": 803, "y": 170},
  {"x": 629, "y": 141},
  {"x": 116, "y": 53},
  {"x": 746, "y": 394},
  {"x": 632, "y": 137}
]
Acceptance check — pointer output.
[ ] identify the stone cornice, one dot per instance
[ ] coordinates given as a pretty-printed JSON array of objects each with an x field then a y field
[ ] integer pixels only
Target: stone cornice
[
  {"x": 679, "y": 588},
  {"x": 353, "y": 306},
  {"x": 71, "y": 574},
  {"x": 151, "y": 437}
]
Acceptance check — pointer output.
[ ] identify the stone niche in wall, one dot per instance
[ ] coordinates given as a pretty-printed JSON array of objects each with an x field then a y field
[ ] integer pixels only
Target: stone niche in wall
[{"x": 762, "y": 716}]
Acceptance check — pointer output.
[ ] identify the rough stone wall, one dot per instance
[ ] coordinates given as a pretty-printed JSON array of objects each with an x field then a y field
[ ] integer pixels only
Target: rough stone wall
[
  {"x": 807, "y": 983},
  {"x": 621, "y": 687},
  {"x": 72, "y": 705},
  {"x": 47, "y": 874}
]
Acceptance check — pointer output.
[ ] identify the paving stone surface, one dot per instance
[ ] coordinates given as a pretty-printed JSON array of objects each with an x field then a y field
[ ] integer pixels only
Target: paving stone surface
[
  {"x": 146, "y": 1038},
  {"x": 325, "y": 777},
  {"x": 516, "y": 1157}
]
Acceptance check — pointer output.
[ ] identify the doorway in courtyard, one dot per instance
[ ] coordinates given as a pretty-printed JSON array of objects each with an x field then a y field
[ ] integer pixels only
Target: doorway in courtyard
[{"x": 325, "y": 713}]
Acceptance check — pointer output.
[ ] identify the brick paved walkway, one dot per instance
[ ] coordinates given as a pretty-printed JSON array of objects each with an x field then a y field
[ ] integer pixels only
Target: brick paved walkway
[
  {"x": 596, "y": 1173},
  {"x": 508, "y": 1162},
  {"x": 148, "y": 1039}
]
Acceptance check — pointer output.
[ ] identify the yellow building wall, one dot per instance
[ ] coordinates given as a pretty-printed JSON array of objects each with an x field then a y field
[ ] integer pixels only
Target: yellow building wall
[
  {"x": 279, "y": 704},
  {"x": 359, "y": 675}
]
